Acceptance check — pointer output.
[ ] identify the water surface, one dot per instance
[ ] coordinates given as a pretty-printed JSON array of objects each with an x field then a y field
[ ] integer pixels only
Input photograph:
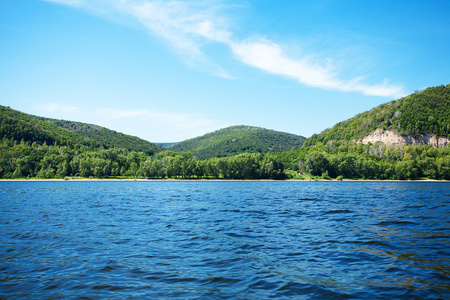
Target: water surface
[{"x": 220, "y": 240}]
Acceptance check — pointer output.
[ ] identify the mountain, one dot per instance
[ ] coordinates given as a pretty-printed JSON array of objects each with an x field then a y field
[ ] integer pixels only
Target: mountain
[
  {"x": 17, "y": 125},
  {"x": 420, "y": 118},
  {"x": 239, "y": 139}
]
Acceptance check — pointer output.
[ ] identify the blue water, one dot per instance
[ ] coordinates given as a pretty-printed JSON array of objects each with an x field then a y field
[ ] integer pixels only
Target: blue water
[{"x": 224, "y": 240}]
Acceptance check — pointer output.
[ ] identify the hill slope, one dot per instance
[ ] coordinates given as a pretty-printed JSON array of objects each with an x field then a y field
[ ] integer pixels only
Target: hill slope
[
  {"x": 108, "y": 137},
  {"x": 239, "y": 139},
  {"x": 17, "y": 125},
  {"x": 425, "y": 112}
]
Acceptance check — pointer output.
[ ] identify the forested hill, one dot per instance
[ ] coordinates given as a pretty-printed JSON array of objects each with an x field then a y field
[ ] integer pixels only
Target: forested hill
[
  {"x": 239, "y": 139},
  {"x": 424, "y": 112},
  {"x": 20, "y": 126},
  {"x": 108, "y": 137}
]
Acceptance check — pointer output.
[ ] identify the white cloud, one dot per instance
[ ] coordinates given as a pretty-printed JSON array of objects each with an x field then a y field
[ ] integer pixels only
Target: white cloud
[
  {"x": 57, "y": 108},
  {"x": 181, "y": 23},
  {"x": 188, "y": 26},
  {"x": 268, "y": 56}
]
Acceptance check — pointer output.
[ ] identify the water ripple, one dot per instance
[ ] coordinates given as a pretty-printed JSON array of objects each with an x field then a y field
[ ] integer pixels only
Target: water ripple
[{"x": 224, "y": 240}]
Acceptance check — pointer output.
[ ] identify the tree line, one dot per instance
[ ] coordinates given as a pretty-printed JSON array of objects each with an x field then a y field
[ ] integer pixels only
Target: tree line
[
  {"x": 332, "y": 160},
  {"x": 25, "y": 160},
  {"x": 357, "y": 161}
]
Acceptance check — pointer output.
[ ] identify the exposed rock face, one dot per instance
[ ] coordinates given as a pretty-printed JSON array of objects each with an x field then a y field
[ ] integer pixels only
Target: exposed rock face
[{"x": 390, "y": 137}]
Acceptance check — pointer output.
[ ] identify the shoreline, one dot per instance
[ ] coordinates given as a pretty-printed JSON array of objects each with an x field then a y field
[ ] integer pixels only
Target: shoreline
[{"x": 218, "y": 180}]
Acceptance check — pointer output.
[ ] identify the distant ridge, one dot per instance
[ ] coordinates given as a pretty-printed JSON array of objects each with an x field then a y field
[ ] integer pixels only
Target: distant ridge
[
  {"x": 165, "y": 145},
  {"x": 21, "y": 126},
  {"x": 239, "y": 139}
]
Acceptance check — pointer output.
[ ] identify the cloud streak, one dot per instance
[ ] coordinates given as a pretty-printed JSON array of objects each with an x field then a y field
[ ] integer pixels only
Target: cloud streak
[
  {"x": 268, "y": 56},
  {"x": 189, "y": 26},
  {"x": 66, "y": 2},
  {"x": 57, "y": 107}
]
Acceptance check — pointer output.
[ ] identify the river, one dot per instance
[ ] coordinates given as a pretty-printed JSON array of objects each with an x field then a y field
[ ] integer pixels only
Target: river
[{"x": 224, "y": 240}]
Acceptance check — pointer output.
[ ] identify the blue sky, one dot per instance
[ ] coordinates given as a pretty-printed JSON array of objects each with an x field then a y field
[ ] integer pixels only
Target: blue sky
[{"x": 167, "y": 71}]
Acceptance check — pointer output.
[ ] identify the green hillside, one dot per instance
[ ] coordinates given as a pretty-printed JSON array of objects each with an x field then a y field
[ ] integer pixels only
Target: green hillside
[
  {"x": 20, "y": 126},
  {"x": 108, "y": 137},
  {"x": 239, "y": 139},
  {"x": 36, "y": 147},
  {"x": 424, "y": 112}
]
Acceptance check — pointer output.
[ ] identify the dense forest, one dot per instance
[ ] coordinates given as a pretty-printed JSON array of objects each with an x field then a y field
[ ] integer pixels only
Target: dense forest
[
  {"x": 36, "y": 147},
  {"x": 22, "y": 160},
  {"x": 341, "y": 160},
  {"x": 357, "y": 161},
  {"x": 239, "y": 139}
]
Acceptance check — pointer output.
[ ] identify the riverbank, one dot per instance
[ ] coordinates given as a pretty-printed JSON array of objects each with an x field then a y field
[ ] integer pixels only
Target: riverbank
[{"x": 172, "y": 179}]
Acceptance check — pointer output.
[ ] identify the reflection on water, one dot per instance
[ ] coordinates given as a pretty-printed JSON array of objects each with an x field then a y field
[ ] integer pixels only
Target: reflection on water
[{"x": 239, "y": 240}]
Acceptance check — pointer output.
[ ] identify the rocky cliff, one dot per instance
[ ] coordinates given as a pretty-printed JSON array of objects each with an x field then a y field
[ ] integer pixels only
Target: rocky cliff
[{"x": 390, "y": 137}]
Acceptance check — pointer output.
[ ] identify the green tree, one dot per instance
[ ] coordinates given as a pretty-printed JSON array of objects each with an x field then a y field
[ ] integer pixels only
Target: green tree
[{"x": 316, "y": 163}]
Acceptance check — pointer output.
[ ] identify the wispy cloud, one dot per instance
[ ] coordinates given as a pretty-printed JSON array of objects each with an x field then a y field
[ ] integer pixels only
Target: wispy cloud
[
  {"x": 159, "y": 125},
  {"x": 66, "y": 2},
  {"x": 181, "y": 23},
  {"x": 189, "y": 26},
  {"x": 123, "y": 114},
  {"x": 180, "y": 120},
  {"x": 269, "y": 56},
  {"x": 57, "y": 108}
]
